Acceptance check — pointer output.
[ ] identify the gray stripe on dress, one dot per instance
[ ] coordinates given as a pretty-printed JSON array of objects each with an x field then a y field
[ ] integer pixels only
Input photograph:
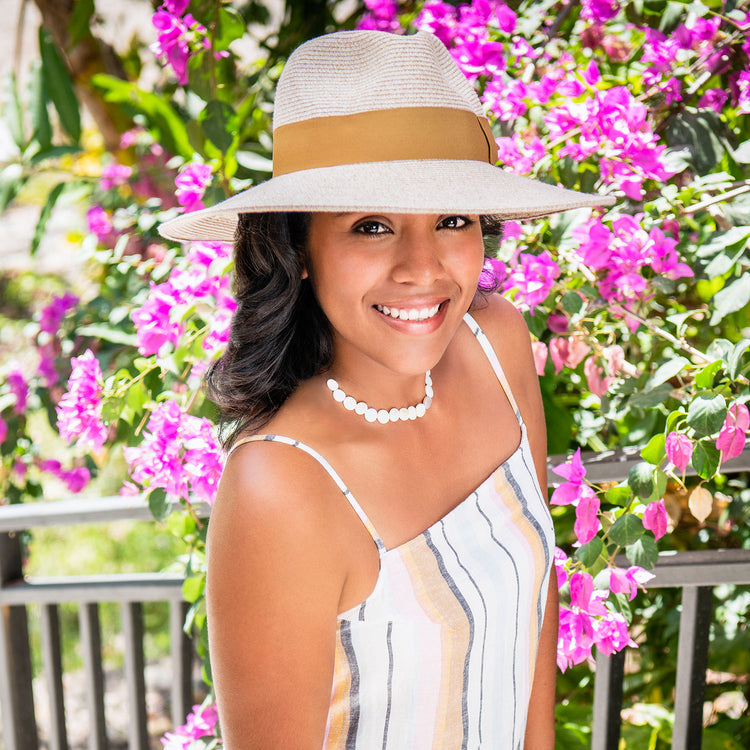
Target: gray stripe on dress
[
  {"x": 470, "y": 618},
  {"x": 534, "y": 522},
  {"x": 484, "y": 633},
  {"x": 351, "y": 657},
  {"x": 518, "y": 606},
  {"x": 388, "y": 635}
]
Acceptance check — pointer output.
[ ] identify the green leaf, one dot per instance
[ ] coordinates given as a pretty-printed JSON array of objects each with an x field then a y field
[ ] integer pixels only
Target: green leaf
[
  {"x": 111, "y": 409},
  {"x": 735, "y": 358},
  {"x": 666, "y": 372},
  {"x": 643, "y": 552},
  {"x": 672, "y": 420},
  {"x": 706, "y": 458},
  {"x": 230, "y": 26},
  {"x": 618, "y": 495},
  {"x": 654, "y": 397},
  {"x": 158, "y": 504},
  {"x": 193, "y": 587},
  {"x": 705, "y": 378},
  {"x": 60, "y": 86},
  {"x": 46, "y": 212},
  {"x": 100, "y": 331},
  {"x": 627, "y": 529},
  {"x": 654, "y": 451},
  {"x": 41, "y": 128},
  {"x": 169, "y": 128},
  {"x": 572, "y": 302},
  {"x": 12, "y": 110},
  {"x": 706, "y": 414},
  {"x": 661, "y": 484},
  {"x": 641, "y": 480},
  {"x": 731, "y": 298},
  {"x": 589, "y": 553},
  {"x": 702, "y": 133},
  {"x": 219, "y": 123},
  {"x": 80, "y": 21},
  {"x": 11, "y": 181}
]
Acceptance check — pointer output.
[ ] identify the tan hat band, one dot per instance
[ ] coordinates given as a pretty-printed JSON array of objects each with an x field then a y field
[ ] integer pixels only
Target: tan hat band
[{"x": 383, "y": 135}]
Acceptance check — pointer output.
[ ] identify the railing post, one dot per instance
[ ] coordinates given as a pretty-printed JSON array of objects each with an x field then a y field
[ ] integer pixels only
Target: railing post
[
  {"x": 132, "y": 630},
  {"x": 692, "y": 660},
  {"x": 91, "y": 647},
  {"x": 605, "y": 730},
  {"x": 182, "y": 662},
  {"x": 16, "y": 694}
]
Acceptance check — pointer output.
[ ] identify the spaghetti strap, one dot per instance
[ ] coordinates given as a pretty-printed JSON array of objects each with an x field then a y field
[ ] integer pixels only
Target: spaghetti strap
[
  {"x": 494, "y": 362},
  {"x": 331, "y": 471}
]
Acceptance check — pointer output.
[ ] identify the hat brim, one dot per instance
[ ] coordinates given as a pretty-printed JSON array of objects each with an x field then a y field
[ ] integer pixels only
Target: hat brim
[{"x": 410, "y": 186}]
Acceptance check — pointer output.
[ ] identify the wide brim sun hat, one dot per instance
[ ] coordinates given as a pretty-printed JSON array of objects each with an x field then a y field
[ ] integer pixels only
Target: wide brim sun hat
[{"x": 371, "y": 121}]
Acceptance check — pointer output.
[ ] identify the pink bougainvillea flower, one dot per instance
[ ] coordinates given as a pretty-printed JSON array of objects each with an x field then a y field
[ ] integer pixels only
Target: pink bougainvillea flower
[
  {"x": 506, "y": 18},
  {"x": 533, "y": 278},
  {"x": 591, "y": 74},
  {"x": 587, "y": 515},
  {"x": 3, "y": 430},
  {"x": 191, "y": 183},
  {"x": 575, "y": 638},
  {"x": 611, "y": 633},
  {"x": 557, "y": 323},
  {"x": 201, "y": 722},
  {"x": 599, "y": 11},
  {"x": 52, "y": 314},
  {"x": 79, "y": 412},
  {"x": 731, "y": 440},
  {"x": 99, "y": 223},
  {"x": 493, "y": 274},
  {"x": 539, "y": 350},
  {"x": 622, "y": 581},
  {"x": 382, "y": 15},
  {"x": 598, "y": 383},
  {"x": 714, "y": 99},
  {"x": 573, "y": 469},
  {"x": 679, "y": 450},
  {"x": 114, "y": 175},
  {"x": 19, "y": 388},
  {"x": 573, "y": 490},
  {"x": 655, "y": 518},
  {"x": 742, "y": 83},
  {"x": 179, "y": 454},
  {"x": 567, "y": 352},
  {"x": 560, "y": 560}
]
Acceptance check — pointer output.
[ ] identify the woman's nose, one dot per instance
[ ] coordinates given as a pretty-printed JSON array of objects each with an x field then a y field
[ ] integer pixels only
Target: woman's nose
[{"x": 418, "y": 260}]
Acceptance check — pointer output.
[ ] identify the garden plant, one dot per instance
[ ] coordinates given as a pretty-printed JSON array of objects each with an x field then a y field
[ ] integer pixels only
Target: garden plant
[{"x": 640, "y": 314}]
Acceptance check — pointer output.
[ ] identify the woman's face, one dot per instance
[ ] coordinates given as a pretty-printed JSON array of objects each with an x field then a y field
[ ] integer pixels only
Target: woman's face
[{"x": 393, "y": 286}]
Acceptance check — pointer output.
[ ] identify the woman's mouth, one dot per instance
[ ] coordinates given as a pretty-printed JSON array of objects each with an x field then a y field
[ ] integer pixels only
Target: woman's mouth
[{"x": 409, "y": 313}]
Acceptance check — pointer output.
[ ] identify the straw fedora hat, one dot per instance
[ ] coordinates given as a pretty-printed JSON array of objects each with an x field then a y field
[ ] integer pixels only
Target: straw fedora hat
[{"x": 372, "y": 121}]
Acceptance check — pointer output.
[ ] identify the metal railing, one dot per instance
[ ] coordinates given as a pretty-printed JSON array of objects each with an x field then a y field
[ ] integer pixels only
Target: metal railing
[{"x": 695, "y": 572}]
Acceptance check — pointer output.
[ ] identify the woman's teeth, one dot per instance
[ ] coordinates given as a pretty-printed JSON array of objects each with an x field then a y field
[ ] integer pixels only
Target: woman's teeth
[{"x": 424, "y": 313}]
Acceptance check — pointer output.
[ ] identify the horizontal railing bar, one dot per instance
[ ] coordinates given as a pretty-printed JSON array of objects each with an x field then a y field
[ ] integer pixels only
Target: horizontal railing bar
[
  {"x": 604, "y": 466},
  {"x": 708, "y": 567},
  {"x": 75, "y": 510},
  {"x": 125, "y": 587}
]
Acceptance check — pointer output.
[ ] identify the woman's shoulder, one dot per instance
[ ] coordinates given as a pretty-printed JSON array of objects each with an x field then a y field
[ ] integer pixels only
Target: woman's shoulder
[{"x": 503, "y": 324}]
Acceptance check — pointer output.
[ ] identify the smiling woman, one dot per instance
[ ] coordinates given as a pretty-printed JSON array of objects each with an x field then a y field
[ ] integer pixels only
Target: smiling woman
[{"x": 380, "y": 547}]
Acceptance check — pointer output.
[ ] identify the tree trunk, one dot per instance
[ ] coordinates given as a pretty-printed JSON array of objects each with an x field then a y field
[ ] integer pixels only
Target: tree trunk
[{"x": 84, "y": 59}]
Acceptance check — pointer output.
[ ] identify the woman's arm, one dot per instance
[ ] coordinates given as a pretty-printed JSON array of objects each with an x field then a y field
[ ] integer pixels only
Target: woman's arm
[
  {"x": 274, "y": 581},
  {"x": 508, "y": 333}
]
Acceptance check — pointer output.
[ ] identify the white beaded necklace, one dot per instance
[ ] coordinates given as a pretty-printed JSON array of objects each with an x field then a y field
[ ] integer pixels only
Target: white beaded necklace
[{"x": 404, "y": 414}]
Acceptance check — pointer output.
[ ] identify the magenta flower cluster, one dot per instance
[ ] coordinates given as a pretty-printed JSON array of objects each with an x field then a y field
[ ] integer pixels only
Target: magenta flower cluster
[
  {"x": 50, "y": 318},
  {"x": 587, "y": 621},
  {"x": 201, "y": 722},
  {"x": 191, "y": 184},
  {"x": 179, "y": 454},
  {"x": 79, "y": 413},
  {"x": 179, "y": 37},
  {"x": 619, "y": 255},
  {"x": 197, "y": 281}
]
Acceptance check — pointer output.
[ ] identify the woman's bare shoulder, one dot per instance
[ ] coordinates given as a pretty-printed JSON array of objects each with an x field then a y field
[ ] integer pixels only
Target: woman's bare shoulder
[{"x": 502, "y": 323}]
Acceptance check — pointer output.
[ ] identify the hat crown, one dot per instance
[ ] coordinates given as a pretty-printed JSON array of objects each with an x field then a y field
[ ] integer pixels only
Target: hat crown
[{"x": 358, "y": 71}]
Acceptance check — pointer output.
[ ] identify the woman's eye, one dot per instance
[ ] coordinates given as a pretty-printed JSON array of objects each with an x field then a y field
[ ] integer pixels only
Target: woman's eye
[
  {"x": 371, "y": 227},
  {"x": 455, "y": 222}
]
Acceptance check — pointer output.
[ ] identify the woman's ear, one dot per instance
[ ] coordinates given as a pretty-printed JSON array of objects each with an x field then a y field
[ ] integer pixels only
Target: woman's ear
[{"x": 304, "y": 274}]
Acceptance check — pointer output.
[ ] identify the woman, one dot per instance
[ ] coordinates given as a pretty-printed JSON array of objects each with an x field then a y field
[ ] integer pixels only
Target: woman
[{"x": 380, "y": 547}]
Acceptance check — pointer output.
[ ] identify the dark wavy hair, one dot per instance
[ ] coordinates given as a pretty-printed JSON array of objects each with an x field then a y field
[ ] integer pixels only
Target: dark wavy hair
[{"x": 279, "y": 334}]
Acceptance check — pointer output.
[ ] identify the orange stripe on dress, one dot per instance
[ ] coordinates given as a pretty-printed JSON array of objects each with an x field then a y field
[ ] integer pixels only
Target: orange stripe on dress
[
  {"x": 338, "y": 715},
  {"x": 442, "y": 607}
]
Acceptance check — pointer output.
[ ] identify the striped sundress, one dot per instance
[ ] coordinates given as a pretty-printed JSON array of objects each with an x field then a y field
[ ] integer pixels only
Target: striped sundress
[{"x": 441, "y": 655}]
